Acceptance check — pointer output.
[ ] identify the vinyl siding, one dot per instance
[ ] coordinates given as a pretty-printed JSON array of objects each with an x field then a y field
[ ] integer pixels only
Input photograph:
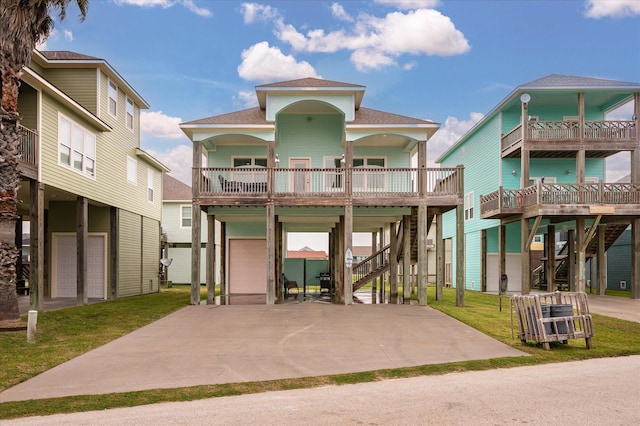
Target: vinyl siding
[
  {"x": 129, "y": 254},
  {"x": 110, "y": 185},
  {"x": 171, "y": 221},
  {"x": 179, "y": 272},
  {"x": 619, "y": 262},
  {"x": 150, "y": 255},
  {"x": 79, "y": 83}
]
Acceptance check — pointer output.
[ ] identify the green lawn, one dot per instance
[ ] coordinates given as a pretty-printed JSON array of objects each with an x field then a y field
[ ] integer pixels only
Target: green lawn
[{"x": 67, "y": 333}]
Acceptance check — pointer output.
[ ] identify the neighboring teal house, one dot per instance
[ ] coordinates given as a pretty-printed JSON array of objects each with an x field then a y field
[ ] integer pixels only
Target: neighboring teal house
[
  {"x": 535, "y": 165},
  {"x": 91, "y": 195},
  {"x": 310, "y": 158},
  {"x": 176, "y": 231}
]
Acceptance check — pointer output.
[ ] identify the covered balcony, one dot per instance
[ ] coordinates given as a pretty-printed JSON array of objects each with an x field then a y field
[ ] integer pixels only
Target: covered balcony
[
  {"x": 376, "y": 186},
  {"x": 28, "y": 150},
  {"x": 599, "y": 138},
  {"x": 586, "y": 199}
]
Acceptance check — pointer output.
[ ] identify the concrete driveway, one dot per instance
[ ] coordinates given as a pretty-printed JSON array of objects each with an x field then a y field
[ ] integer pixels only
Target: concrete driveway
[{"x": 201, "y": 345}]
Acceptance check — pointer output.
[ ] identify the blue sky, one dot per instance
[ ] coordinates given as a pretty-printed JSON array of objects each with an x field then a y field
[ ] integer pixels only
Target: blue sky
[{"x": 447, "y": 61}]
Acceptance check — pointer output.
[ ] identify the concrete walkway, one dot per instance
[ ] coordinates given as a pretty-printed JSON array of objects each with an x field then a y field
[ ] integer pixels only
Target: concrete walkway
[
  {"x": 616, "y": 307},
  {"x": 200, "y": 345}
]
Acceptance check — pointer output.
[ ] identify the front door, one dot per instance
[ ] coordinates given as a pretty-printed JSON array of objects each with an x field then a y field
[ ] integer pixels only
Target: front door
[{"x": 299, "y": 181}]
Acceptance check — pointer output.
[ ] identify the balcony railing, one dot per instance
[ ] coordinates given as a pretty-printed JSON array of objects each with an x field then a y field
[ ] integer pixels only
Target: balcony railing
[
  {"x": 513, "y": 200},
  {"x": 365, "y": 182},
  {"x": 622, "y": 130},
  {"x": 28, "y": 146}
]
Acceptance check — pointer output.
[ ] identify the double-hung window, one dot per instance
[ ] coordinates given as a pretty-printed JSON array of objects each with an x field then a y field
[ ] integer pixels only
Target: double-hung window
[
  {"x": 113, "y": 99},
  {"x": 185, "y": 216},
  {"x": 130, "y": 110},
  {"x": 468, "y": 206},
  {"x": 150, "y": 185},
  {"x": 76, "y": 147}
]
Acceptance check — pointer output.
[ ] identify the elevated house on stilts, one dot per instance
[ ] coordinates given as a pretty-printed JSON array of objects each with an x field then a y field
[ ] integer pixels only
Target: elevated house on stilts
[
  {"x": 535, "y": 170},
  {"x": 310, "y": 158}
]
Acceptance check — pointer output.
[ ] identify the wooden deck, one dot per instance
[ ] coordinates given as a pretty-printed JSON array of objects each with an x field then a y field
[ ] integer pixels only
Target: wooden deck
[
  {"x": 327, "y": 187},
  {"x": 552, "y": 138},
  {"x": 587, "y": 199},
  {"x": 28, "y": 163}
]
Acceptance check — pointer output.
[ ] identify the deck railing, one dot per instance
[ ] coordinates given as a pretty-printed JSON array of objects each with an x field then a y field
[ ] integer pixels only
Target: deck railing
[
  {"x": 560, "y": 193},
  {"x": 28, "y": 146},
  {"x": 594, "y": 130},
  {"x": 254, "y": 181}
]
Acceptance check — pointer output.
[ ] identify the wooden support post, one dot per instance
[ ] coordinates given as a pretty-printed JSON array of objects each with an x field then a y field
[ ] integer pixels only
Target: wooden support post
[
  {"x": 550, "y": 272},
  {"x": 278, "y": 266},
  {"x": 571, "y": 258},
  {"x": 348, "y": 245},
  {"x": 460, "y": 241},
  {"x": 502, "y": 252},
  {"x": 483, "y": 261},
  {"x": 440, "y": 258},
  {"x": 406, "y": 259},
  {"x": 580, "y": 278},
  {"x": 525, "y": 271},
  {"x": 82, "y": 234},
  {"x": 422, "y": 254},
  {"x": 211, "y": 259},
  {"x": 374, "y": 265},
  {"x": 602, "y": 260},
  {"x": 271, "y": 254},
  {"x": 635, "y": 258},
  {"x": 196, "y": 239},
  {"x": 340, "y": 248},
  {"x": 382, "y": 279},
  {"x": 223, "y": 263},
  {"x": 36, "y": 273},
  {"x": 393, "y": 264}
]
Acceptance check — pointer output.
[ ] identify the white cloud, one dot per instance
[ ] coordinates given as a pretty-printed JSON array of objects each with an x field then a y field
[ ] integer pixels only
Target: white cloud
[
  {"x": 178, "y": 159},
  {"x": 410, "y": 4},
  {"x": 160, "y": 125},
  {"x": 618, "y": 166},
  {"x": 254, "y": 12},
  {"x": 246, "y": 99},
  {"x": 68, "y": 35},
  {"x": 165, "y": 4},
  {"x": 338, "y": 12},
  {"x": 376, "y": 42},
  {"x": 611, "y": 8},
  {"x": 624, "y": 112},
  {"x": 452, "y": 130},
  {"x": 261, "y": 62}
]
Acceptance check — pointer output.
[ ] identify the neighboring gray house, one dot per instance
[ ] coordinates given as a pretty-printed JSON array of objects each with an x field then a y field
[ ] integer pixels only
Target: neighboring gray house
[{"x": 176, "y": 231}]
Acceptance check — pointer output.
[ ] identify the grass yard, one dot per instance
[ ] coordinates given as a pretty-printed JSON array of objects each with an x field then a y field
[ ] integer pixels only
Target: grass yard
[{"x": 67, "y": 333}]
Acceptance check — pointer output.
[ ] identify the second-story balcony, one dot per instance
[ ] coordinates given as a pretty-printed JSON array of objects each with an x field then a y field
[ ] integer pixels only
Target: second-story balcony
[
  {"x": 28, "y": 150},
  {"x": 603, "y": 137},
  {"x": 332, "y": 186},
  {"x": 562, "y": 199}
]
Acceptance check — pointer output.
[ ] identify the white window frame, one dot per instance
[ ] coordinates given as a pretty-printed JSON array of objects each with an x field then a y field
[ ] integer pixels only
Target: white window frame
[
  {"x": 84, "y": 149},
  {"x": 547, "y": 179},
  {"x": 130, "y": 113},
  {"x": 150, "y": 185},
  {"x": 329, "y": 162},
  {"x": 132, "y": 170},
  {"x": 591, "y": 179},
  {"x": 183, "y": 208},
  {"x": 469, "y": 206},
  {"x": 112, "y": 97},
  {"x": 252, "y": 158}
]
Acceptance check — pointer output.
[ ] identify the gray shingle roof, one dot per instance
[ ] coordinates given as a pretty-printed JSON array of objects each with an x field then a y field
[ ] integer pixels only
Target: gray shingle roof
[
  {"x": 173, "y": 189},
  {"x": 66, "y": 55},
  {"x": 310, "y": 82},
  {"x": 244, "y": 117},
  {"x": 557, "y": 80},
  {"x": 256, "y": 115}
]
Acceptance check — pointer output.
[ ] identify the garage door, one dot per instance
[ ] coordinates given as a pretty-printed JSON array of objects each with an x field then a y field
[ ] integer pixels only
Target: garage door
[
  {"x": 514, "y": 272},
  {"x": 65, "y": 273},
  {"x": 248, "y": 266}
]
